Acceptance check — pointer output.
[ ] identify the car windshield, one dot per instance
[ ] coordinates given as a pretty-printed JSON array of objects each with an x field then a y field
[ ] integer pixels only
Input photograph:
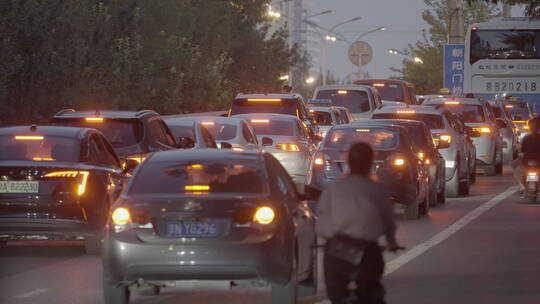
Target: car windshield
[
  {"x": 181, "y": 131},
  {"x": 272, "y": 127},
  {"x": 220, "y": 131},
  {"x": 120, "y": 132},
  {"x": 431, "y": 120},
  {"x": 355, "y": 101},
  {"x": 388, "y": 91},
  {"x": 505, "y": 44},
  {"x": 38, "y": 148},
  {"x": 519, "y": 111},
  {"x": 199, "y": 178},
  {"x": 467, "y": 113},
  {"x": 322, "y": 118},
  {"x": 243, "y": 106},
  {"x": 419, "y": 136},
  {"x": 378, "y": 138}
]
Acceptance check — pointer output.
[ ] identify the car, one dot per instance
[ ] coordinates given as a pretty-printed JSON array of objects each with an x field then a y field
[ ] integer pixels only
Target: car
[
  {"x": 428, "y": 152},
  {"x": 133, "y": 134},
  {"x": 289, "y": 104},
  {"x": 326, "y": 117},
  {"x": 288, "y": 139},
  {"x": 346, "y": 115},
  {"x": 397, "y": 164},
  {"x": 210, "y": 217},
  {"x": 521, "y": 113},
  {"x": 478, "y": 115},
  {"x": 453, "y": 141},
  {"x": 392, "y": 90},
  {"x": 509, "y": 134},
  {"x": 57, "y": 183},
  {"x": 422, "y": 98},
  {"x": 360, "y": 100}
]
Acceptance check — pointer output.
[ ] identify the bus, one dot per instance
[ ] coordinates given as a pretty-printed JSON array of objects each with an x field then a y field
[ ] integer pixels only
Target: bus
[{"x": 502, "y": 59}]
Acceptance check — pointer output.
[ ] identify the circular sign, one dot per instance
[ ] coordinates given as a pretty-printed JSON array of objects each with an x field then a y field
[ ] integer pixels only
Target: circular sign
[{"x": 360, "y": 53}]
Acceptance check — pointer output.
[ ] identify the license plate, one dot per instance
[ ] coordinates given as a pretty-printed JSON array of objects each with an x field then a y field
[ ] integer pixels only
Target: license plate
[
  {"x": 192, "y": 229},
  {"x": 19, "y": 187},
  {"x": 506, "y": 85},
  {"x": 532, "y": 178}
]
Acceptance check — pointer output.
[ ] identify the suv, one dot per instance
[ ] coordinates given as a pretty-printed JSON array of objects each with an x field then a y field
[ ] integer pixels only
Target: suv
[
  {"x": 133, "y": 134},
  {"x": 392, "y": 90},
  {"x": 360, "y": 100},
  {"x": 291, "y": 104}
]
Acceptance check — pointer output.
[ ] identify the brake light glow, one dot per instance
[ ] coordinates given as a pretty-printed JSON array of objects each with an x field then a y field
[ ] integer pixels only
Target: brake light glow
[
  {"x": 94, "y": 119},
  {"x": 197, "y": 188},
  {"x": 319, "y": 161},
  {"x": 363, "y": 130},
  {"x": 508, "y": 106},
  {"x": 520, "y": 121},
  {"x": 42, "y": 159},
  {"x": 264, "y": 215},
  {"x": 378, "y": 84},
  {"x": 483, "y": 130},
  {"x": 196, "y": 166},
  {"x": 532, "y": 174},
  {"x": 342, "y": 92},
  {"x": 83, "y": 175},
  {"x": 29, "y": 137},
  {"x": 288, "y": 147},
  {"x": 526, "y": 127},
  {"x": 121, "y": 216},
  {"x": 260, "y": 120},
  {"x": 238, "y": 149},
  {"x": 446, "y": 138},
  {"x": 208, "y": 123},
  {"x": 427, "y": 161},
  {"x": 264, "y": 99},
  {"x": 406, "y": 111},
  {"x": 421, "y": 155},
  {"x": 399, "y": 162},
  {"x": 451, "y": 102}
]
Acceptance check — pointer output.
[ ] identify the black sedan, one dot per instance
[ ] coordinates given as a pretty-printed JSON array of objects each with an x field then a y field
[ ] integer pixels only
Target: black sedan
[
  {"x": 397, "y": 164},
  {"x": 56, "y": 183},
  {"x": 434, "y": 161},
  {"x": 213, "y": 216}
]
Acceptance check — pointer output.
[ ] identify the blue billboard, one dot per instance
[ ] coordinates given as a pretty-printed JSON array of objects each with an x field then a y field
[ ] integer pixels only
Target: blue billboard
[{"x": 454, "y": 61}]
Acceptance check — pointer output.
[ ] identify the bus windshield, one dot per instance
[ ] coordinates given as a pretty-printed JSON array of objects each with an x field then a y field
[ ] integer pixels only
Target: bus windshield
[{"x": 505, "y": 44}]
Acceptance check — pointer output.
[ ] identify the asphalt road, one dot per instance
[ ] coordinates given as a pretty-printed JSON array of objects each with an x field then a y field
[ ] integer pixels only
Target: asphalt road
[{"x": 477, "y": 249}]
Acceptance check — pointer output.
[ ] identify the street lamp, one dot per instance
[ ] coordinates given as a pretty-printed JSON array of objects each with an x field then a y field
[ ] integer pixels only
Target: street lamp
[
  {"x": 310, "y": 80},
  {"x": 416, "y": 59}
]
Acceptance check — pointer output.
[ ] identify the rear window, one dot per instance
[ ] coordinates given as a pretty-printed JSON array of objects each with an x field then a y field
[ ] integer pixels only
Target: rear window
[
  {"x": 389, "y": 91},
  {"x": 355, "y": 101},
  {"x": 39, "y": 148},
  {"x": 431, "y": 120},
  {"x": 467, "y": 113},
  {"x": 120, "y": 132},
  {"x": 378, "y": 138},
  {"x": 322, "y": 118},
  {"x": 199, "y": 178},
  {"x": 272, "y": 127},
  {"x": 519, "y": 111},
  {"x": 244, "y": 106},
  {"x": 221, "y": 131}
]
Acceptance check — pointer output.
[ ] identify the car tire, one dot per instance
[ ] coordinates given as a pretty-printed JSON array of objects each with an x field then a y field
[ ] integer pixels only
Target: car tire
[
  {"x": 441, "y": 197},
  {"x": 531, "y": 198},
  {"x": 412, "y": 210},
  {"x": 308, "y": 287},
  {"x": 424, "y": 207},
  {"x": 472, "y": 174},
  {"x": 288, "y": 293},
  {"x": 464, "y": 188},
  {"x": 113, "y": 294},
  {"x": 452, "y": 186},
  {"x": 499, "y": 169}
]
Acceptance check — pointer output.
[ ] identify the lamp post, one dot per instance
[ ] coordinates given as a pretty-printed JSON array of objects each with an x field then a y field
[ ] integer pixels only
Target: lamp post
[
  {"x": 380, "y": 28},
  {"x": 416, "y": 59}
]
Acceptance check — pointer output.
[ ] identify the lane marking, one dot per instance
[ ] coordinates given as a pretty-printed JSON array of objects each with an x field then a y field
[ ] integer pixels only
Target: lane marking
[
  {"x": 446, "y": 233},
  {"x": 433, "y": 241},
  {"x": 31, "y": 293}
]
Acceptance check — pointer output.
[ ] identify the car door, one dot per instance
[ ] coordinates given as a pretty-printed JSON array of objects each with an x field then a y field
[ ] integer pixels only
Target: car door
[
  {"x": 302, "y": 216},
  {"x": 249, "y": 137}
]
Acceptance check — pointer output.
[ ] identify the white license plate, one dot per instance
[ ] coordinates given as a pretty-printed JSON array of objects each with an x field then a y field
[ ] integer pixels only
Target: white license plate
[
  {"x": 19, "y": 187},
  {"x": 192, "y": 229},
  {"x": 532, "y": 178},
  {"x": 508, "y": 85}
]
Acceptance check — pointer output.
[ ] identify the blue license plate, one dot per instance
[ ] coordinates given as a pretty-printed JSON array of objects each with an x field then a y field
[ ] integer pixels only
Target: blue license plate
[{"x": 192, "y": 229}]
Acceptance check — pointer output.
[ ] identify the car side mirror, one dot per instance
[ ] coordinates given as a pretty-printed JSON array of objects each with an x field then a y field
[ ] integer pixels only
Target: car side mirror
[
  {"x": 129, "y": 165},
  {"x": 311, "y": 193},
  {"x": 439, "y": 144},
  {"x": 226, "y": 145},
  {"x": 267, "y": 141},
  {"x": 185, "y": 143},
  {"x": 501, "y": 124}
]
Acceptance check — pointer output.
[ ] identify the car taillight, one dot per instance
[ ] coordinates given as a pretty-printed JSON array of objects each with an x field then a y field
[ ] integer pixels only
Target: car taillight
[
  {"x": 399, "y": 162},
  {"x": 121, "y": 216},
  {"x": 288, "y": 147},
  {"x": 483, "y": 130},
  {"x": 444, "y": 137},
  {"x": 421, "y": 155},
  {"x": 81, "y": 175},
  {"x": 264, "y": 215}
]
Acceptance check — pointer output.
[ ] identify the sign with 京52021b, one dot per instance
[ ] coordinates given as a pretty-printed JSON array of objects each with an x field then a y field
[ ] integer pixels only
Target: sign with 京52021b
[{"x": 507, "y": 85}]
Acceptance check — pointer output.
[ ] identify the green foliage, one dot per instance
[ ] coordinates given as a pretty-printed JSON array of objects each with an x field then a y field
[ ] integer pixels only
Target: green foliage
[
  {"x": 427, "y": 77},
  {"x": 532, "y": 7},
  {"x": 169, "y": 55}
]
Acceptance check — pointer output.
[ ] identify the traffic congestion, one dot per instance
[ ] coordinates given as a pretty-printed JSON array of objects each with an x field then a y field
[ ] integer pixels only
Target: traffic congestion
[{"x": 279, "y": 197}]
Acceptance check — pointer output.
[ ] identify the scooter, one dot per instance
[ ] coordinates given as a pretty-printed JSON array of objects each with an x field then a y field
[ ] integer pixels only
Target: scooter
[{"x": 530, "y": 180}]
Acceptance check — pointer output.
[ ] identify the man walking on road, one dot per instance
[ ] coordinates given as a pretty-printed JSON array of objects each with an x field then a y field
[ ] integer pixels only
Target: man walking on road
[{"x": 353, "y": 213}]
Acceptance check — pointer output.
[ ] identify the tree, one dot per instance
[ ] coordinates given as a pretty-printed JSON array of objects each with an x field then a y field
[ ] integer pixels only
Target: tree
[
  {"x": 532, "y": 7},
  {"x": 427, "y": 77}
]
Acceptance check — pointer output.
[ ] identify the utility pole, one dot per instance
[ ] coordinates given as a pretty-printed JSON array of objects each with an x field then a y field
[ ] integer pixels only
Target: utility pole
[
  {"x": 297, "y": 26},
  {"x": 507, "y": 10},
  {"x": 455, "y": 24}
]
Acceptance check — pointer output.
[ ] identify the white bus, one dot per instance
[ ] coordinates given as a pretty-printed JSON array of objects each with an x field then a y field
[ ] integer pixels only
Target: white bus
[{"x": 502, "y": 57}]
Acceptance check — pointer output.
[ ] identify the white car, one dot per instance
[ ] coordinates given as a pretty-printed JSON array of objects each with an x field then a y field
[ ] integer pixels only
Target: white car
[
  {"x": 361, "y": 100},
  {"x": 326, "y": 118}
]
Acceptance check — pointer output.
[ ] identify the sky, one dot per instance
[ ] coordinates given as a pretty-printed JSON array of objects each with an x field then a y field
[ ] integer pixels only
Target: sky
[{"x": 403, "y": 22}]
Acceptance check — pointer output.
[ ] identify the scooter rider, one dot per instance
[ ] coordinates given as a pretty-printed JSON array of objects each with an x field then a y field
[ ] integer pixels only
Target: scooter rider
[{"x": 530, "y": 150}]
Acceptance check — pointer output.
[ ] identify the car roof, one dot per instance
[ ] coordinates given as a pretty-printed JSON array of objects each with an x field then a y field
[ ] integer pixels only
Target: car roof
[
  {"x": 271, "y": 116},
  {"x": 399, "y": 122},
  {"x": 268, "y": 95},
  {"x": 111, "y": 114},
  {"x": 367, "y": 123},
  {"x": 191, "y": 119},
  {"x": 469, "y": 101},
  {"x": 204, "y": 155},
  {"x": 322, "y": 109},
  {"x": 349, "y": 87},
  {"x": 417, "y": 109},
  {"x": 45, "y": 130},
  {"x": 393, "y": 81}
]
